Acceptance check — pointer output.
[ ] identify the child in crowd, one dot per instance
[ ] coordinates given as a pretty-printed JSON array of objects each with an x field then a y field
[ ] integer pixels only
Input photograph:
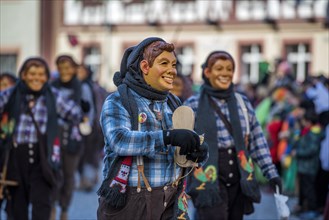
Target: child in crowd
[{"x": 306, "y": 149}]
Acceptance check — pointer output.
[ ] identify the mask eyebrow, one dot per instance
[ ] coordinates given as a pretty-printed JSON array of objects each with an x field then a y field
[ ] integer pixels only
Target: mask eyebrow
[
  {"x": 163, "y": 59},
  {"x": 220, "y": 65},
  {"x": 167, "y": 60}
]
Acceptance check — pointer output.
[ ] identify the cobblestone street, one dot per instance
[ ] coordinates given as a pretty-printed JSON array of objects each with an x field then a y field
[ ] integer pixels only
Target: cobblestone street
[{"x": 84, "y": 207}]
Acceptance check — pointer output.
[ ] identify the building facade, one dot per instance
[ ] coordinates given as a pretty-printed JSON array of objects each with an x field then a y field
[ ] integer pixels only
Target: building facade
[
  {"x": 19, "y": 33},
  {"x": 96, "y": 32}
]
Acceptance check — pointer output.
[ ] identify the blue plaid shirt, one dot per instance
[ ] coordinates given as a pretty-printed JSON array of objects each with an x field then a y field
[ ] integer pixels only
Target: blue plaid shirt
[
  {"x": 62, "y": 122},
  {"x": 25, "y": 131},
  {"x": 159, "y": 165},
  {"x": 259, "y": 150}
]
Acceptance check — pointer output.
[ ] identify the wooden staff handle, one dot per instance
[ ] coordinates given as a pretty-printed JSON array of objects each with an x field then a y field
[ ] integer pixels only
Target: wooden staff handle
[{"x": 3, "y": 181}]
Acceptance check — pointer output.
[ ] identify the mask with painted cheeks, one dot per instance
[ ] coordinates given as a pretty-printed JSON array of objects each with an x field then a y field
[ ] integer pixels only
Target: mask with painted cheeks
[
  {"x": 67, "y": 68},
  {"x": 219, "y": 69},
  {"x": 35, "y": 77},
  {"x": 220, "y": 75},
  {"x": 162, "y": 73}
]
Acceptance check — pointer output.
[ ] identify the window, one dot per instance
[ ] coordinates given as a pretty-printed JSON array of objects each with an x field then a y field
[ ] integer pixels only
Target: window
[
  {"x": 183, "y": 1},
  {"x": 185, "y": 57},
  {"x": 127, "y": 2},
  {"x": 8, "y": 63},
  {"x": 92, "y": 59},
  {"x": 251, "y": 57},
  {"x": 299, "y": 56},
  {"x": 91, "y": 3}
]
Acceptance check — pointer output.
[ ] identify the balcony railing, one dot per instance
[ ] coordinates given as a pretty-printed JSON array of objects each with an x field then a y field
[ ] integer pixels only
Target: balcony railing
[{"x": 126, "y": 12}]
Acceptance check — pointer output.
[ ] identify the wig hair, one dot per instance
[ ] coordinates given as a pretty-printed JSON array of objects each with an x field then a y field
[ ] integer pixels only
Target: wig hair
[
  {"x": 218, "y": 55},
  {"x": 66, "y": 58},
  {"x": 212, "y": 58},
  {"x": 10, "y": 76},
  {"x": 34, "y": 61},
  {"x": 153, "y": 50}
]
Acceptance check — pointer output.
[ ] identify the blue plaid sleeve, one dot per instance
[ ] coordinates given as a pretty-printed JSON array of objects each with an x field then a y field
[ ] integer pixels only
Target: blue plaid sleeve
[
  {"x": 119, "y": 138},
  {"x": 4, "y": 98},
  {"x": 66, "y": 108},
  {"x": 259, "y": 149},
  {"x": 193, "y": 103}
]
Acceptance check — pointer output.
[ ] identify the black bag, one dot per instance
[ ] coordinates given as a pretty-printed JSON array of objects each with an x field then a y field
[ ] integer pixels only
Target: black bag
[
  {"x": 68, "y": 144},
  {"x": 250, "y": 189},
  {"x": 52, "y": 176},
  {"x": 73, "y": 146},
  {"x": 249, "y": 186},
  {"x": 248, "y": 206}
]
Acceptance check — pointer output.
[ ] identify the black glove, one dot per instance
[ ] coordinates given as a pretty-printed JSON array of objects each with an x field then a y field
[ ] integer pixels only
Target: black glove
[
  {"x": 199, "y": 155},
  {"x": 187, "y": 140},
  {"x": 276, "y": 181},
  {"x": 84, "y": 106}
]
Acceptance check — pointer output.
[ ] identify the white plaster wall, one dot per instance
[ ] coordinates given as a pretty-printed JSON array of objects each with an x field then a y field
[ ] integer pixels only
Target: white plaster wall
[
  {"x": 206, "y": 42},
  {"x": 321, "y": 58},
  {"x": 20, "y": 27}
]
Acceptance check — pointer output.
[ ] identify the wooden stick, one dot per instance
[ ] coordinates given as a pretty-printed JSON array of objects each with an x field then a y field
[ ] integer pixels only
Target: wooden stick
[{"x": 3, "y": 181}]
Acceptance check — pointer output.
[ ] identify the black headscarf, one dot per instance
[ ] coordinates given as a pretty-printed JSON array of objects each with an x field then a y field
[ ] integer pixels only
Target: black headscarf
[
  {"x": 74, "y": 84},
  {"x": 17, "y": 104},
  {"x": 28, "y": 62},
  {"x": 228, "y": 95},
  {"x": 130, "y": 74},
  {"x": 206, "y": 124}
]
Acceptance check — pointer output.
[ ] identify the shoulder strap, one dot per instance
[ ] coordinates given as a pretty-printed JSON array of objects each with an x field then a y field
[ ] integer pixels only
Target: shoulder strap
[
  {"x": 130, "y": 104},
  {"x": 224, "y": 119},
  {"x": 245, "y": 114},
  {"x": 222, "y": 116},
  {"x": 173, "y": 102},
  {"x": 34, "y": 122},
  {"x": 244, "y": 111}
]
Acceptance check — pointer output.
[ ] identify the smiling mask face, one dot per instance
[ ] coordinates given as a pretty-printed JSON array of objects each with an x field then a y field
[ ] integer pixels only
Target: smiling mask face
[
  {"x": 66, "y": 71},
  {"x": 162, "y": 73},
  {"x": 220, "y": 75},
  {"x": 35, "y": 77}
]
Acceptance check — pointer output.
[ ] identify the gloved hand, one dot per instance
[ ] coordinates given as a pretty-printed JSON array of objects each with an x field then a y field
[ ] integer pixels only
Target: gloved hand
[
  {"x": 187, "y": 140},
  {"x": 84, "y": 106},
  {"x": 276, "y": 181},
  {"x": 199, "y": 155}
]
